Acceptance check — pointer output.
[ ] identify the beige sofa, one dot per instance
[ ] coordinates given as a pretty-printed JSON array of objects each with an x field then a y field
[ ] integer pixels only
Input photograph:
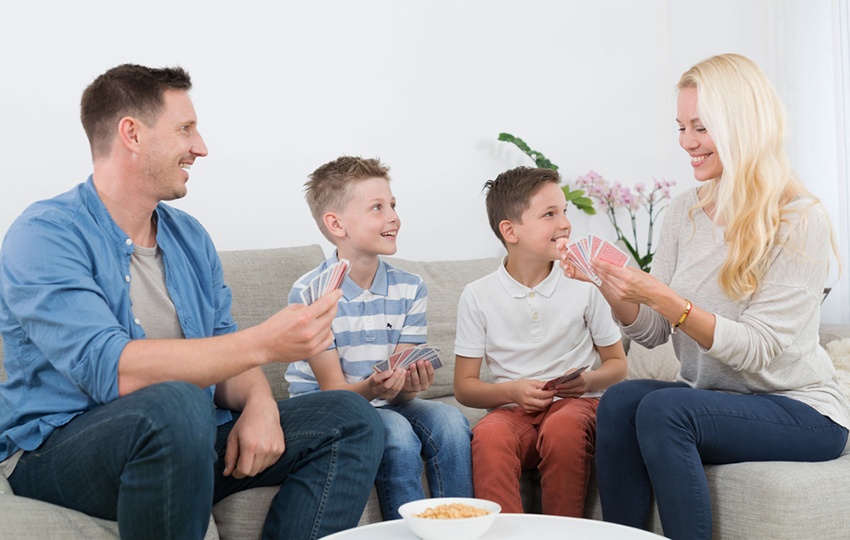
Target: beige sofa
[{"x": 751, "y": 500}]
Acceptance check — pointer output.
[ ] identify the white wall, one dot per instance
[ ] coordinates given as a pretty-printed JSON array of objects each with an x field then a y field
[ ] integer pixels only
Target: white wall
[{"x": 282, "y": 87}]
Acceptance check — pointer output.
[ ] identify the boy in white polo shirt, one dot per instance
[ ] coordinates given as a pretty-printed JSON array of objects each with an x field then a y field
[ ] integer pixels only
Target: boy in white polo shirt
[
  {"x": 532, "y": 325},
  {"x": 382, "y": 312}
]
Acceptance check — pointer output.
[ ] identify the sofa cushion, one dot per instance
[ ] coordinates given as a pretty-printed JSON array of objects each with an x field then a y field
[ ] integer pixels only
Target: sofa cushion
[{"x": 29, "y": 518}]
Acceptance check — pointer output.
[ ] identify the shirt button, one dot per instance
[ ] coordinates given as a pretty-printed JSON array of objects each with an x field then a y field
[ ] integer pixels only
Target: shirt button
[
  {"x": 137, "y": 321},
  {"x": 535, "y": 317},
  {"x": 127, "y": 279},
  {"x": 129, "y": 242},
  {"x": 531, "y": 295}
]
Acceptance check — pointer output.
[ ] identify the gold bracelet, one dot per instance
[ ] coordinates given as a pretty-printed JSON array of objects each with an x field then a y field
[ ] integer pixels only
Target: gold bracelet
[{"x": 675, "y": 326}]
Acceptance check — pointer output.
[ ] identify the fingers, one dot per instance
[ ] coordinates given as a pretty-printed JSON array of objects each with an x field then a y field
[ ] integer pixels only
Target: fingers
[
  {"x": 387, "y": 384},
  {"x": 420, "y": 375},
  {"x": 231, "y": 452}
]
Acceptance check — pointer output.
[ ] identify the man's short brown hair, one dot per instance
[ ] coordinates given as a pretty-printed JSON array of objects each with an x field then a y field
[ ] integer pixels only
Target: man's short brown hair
[
  {"x": 126, "y": 90},
  {"x": 509, "y": 195},
  {"x": 329, "y": 187}
]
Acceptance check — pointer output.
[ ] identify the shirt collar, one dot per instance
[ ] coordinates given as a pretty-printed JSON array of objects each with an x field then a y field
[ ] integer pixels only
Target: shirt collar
[
  {"x": 518, "y": 290},
  {"x": 351, "y": 290}
]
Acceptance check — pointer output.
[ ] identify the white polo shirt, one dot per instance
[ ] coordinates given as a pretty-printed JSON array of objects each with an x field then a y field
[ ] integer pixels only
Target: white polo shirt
[{"x": 533, "y": 333}]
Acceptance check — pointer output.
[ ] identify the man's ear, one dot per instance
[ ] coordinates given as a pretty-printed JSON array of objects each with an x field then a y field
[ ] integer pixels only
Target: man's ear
[
  {"x": 333, "y": 225},
  {"x": 508, "y": 232},
  {"x": 128, "y": 133}
]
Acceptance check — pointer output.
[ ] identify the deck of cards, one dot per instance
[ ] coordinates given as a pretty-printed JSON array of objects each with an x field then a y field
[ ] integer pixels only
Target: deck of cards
[
  {"x": 566, "y": 377},
  {"x": 404, "y": 359},
  {"x": 580, "y": 251},
  {"x": 331, "y": 278}
]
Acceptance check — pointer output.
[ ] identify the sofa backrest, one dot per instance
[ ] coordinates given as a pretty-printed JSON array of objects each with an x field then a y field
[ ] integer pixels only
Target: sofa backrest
[{"x": 261, "y": 280}]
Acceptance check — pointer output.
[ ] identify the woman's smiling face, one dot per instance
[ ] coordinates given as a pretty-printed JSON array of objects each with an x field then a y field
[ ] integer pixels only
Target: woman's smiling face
[{"x": 694, "y": 138}]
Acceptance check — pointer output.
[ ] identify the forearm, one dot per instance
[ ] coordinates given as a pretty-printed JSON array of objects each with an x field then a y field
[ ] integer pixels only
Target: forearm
[
  {"x": 203, "y": 361},
  {"x": 610, "y": 372},
  {"x": 236, "y": 392},
  {"x": 482, "y": 395},
  {"x": 360, "y": 387},
  {"x": 698, "y": 325}
]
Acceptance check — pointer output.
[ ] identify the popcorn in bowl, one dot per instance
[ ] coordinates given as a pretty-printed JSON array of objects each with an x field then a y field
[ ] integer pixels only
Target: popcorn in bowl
[{"x": 456, "y": 518}]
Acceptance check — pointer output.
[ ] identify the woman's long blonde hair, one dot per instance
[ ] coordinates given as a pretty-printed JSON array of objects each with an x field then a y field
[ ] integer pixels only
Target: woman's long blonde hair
[{"x": 740, "y": 109}]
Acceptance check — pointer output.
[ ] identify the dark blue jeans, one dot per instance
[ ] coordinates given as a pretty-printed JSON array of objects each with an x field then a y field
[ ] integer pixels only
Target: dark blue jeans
[
  {"x": 152, "y": 460},
  {"x": 656, "y": 436}
]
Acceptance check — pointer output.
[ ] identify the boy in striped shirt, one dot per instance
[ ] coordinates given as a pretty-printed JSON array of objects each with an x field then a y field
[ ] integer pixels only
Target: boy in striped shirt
[{"x": 382, "y": 312}]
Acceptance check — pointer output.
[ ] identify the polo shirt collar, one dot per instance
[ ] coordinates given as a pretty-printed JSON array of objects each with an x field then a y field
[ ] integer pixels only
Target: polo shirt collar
[
  {"x": 518, "y": 290},
  {"x": 351, "y": 290}
]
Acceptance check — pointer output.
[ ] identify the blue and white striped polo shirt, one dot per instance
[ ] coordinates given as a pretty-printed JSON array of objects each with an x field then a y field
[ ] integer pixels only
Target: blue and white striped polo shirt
[{"x": 368, "y": 325}]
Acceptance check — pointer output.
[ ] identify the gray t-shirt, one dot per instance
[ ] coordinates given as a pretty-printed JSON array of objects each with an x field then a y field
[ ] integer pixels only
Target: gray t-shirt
[
  {"x": 152, "y": 306},
  {"x": 766, "y": 343}
]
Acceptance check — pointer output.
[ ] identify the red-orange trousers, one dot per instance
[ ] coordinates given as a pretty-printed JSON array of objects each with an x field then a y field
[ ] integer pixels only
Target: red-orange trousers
[{"x": 559, "y": 441}]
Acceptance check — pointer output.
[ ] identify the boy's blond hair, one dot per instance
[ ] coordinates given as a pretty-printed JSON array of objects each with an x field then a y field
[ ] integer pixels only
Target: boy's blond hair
[
  {"x": 329, "y": 187},
  {"x": 509, "y": 194}
]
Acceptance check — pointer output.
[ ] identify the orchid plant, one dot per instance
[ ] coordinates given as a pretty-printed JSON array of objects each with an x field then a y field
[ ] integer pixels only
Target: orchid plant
[{"x": 612, "y": 198}]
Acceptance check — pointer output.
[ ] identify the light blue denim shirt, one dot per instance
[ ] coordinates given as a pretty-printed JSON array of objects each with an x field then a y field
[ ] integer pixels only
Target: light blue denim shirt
[{"x": 66, "y": 314}]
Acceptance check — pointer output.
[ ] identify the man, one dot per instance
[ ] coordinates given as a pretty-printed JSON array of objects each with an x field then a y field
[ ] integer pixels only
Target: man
[{"x": 131, "y": 396}]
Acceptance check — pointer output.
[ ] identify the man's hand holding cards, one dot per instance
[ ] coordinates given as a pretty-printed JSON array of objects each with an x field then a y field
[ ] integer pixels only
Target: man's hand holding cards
[
  {"x": 329, "y": 279},
  {"x": 579, "y": 252}
]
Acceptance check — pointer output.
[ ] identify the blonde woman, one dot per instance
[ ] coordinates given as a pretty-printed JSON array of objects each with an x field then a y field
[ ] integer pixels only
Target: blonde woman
[{"x": 736, "y": 284}]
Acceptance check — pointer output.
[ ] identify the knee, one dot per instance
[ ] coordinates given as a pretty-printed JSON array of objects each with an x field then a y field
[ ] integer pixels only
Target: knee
[
  {"x": 177, "y": 414},
  {"x": 660, "y": 415},
  {"x": 354, "y": 415},
  {"x": 400, "y": 438},
  {"x": 452, "y": 427}
]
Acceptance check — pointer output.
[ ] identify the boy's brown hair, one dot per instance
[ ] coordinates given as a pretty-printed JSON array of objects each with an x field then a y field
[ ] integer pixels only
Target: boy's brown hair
[
  {"x": 329, "y": 187},
  {"x": 510, "y": 193}
]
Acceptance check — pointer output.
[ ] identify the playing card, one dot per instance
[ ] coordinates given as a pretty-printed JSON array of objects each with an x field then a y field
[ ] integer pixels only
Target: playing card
[
  {"x": 329, "y": 279},
  {"x": 566, "y": 377},
  {"x": 579, "y": 259},
  {"x": 608, "y": 252},
  {"x": 404, "y": 359},
  {"x": 595, "y": 243},
  {"x": 381, "y": 366}
]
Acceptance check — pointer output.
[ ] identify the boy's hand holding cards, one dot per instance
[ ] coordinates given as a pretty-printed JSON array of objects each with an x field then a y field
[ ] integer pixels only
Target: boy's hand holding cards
[
  {"x": 580, "y": 251},
  {"x": 406, "y": 358},
  {"x": 331, "y": 278},
  {"x": 566, "y": 377}
]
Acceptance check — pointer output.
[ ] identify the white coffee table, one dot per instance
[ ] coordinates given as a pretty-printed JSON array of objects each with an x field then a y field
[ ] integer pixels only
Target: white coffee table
[{"x": 511, "y": 526}]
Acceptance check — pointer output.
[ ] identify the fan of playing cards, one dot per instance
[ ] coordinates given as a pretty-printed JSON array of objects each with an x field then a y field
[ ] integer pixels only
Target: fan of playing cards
[
  {"x": 331, "y": 278},
  {"x": 566, "y": 377},
  {"x": 406, "y": 358},
  {"x": 581, "y": 250}
]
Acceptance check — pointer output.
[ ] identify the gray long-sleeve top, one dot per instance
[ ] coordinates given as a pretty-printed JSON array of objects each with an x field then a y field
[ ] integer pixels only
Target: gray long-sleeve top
[{"x": 765, "y": 343}]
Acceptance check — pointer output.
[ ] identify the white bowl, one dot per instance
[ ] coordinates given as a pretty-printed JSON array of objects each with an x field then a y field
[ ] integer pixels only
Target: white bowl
[{"x": 453, "y": 529}]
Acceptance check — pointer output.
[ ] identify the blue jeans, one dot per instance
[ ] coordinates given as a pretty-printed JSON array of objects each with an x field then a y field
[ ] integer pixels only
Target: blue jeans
[
  {"x": 416, "y": 429},
  {"x": 656, "y": 436},
  {"x": 152, "y": 460}
]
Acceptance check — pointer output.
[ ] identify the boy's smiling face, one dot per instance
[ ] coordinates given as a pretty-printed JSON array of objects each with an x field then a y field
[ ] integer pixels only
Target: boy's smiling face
[
  {"x": 369, "y": 219},
  {"x": 543, "y": 222}
]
